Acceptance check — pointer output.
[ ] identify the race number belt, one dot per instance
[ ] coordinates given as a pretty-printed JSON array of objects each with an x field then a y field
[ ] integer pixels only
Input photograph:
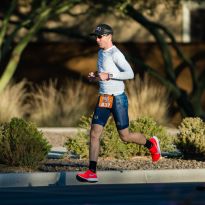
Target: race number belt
[{"x": 106, "y": 101}]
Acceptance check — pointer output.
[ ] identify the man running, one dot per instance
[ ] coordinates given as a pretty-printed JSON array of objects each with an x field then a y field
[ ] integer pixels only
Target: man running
[{"x": 113, "y": 69}]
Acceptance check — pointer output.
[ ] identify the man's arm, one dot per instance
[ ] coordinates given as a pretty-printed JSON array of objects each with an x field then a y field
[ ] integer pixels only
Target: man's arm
[
  {"x": 95, "y": 77},
  {"x": 125, "y": 70}
]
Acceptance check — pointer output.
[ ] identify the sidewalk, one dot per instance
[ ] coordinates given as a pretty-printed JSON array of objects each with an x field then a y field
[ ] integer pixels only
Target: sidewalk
[{"x": 105, "y": 177}]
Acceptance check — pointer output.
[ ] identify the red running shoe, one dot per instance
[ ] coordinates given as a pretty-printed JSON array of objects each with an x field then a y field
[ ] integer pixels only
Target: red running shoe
[
  {"x": 87, "y": 176},
  {"x": 155, "y": 149}
]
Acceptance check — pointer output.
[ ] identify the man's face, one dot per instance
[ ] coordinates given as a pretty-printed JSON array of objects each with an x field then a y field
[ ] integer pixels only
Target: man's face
[{"x": 104, "y": 41}]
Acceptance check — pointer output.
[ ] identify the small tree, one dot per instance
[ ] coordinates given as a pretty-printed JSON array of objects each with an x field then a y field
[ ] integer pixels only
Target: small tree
[{"x": 39, "y": 11}]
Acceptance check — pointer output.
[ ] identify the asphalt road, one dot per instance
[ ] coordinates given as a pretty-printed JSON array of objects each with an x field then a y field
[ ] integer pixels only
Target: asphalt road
[{"x": 142, "y": 194}]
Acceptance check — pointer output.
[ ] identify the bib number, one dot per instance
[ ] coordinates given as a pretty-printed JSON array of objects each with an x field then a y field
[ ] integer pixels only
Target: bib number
[{"x": 106, "y": 101}]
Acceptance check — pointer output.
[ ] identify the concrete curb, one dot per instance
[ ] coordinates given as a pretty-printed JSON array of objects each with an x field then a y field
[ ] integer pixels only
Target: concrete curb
[
  {"x": 172, "y": 131},
  {"x": 105, "y": 177},
  {"x": 72, "y": 130}
]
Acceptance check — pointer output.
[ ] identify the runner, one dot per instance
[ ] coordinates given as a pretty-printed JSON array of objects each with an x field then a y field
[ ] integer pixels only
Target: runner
[{"x": 113, "y": 69}]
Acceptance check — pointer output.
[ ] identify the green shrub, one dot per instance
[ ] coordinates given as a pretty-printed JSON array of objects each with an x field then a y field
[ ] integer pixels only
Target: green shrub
[
  {"x": 113, "y": 146},
  {"x": 191, "y": 137},
  {"x": 78, "y": 145},
  {"x": 149, "y": 128},
  {"x": 21, "y": 144}
]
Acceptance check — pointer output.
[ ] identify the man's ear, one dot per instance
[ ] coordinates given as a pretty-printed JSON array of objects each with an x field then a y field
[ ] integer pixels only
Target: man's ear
[{"x": 110, "y": 37}]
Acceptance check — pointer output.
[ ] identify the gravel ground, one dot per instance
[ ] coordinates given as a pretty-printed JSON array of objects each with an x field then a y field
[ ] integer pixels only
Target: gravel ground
[{"x": 137, "y": 163}]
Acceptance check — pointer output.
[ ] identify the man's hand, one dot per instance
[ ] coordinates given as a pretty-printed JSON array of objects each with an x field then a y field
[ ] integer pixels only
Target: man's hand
[
  {"x": 103, "y": 76},
  {"x": 93, "y": 77}
]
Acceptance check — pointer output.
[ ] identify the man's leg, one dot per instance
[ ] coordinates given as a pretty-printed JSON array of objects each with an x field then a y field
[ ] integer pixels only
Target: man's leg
[
  {"x": 139, "y": 138},
  {"x": 94, "y": 148},
  {"x": 120, "y": 114},
  {"x": 99, "y": 119},
  {"x": 127, "y": 136},
  {"x": 95, "y": 133}
]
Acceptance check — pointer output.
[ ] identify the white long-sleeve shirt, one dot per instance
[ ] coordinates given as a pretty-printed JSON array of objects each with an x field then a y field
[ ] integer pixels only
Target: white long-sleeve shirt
[{"x": 112, "y": 61}]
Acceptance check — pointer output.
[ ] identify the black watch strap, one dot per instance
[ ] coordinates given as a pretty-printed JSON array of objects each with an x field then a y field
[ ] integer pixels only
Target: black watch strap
[{"x": 110, "y": 75}]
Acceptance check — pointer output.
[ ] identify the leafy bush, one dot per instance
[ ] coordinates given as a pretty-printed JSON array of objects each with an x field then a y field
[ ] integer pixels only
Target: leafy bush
[
  {"x": 111, "y": 144},
  {"x": 149, "y": 128},
  {"x": 78, "y": 145},
  {"x": 191, "y": 138},
  {"x": 21, "y": 144}
]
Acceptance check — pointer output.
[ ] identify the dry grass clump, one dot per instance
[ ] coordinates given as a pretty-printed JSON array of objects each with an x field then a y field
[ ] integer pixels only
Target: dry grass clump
[
  {"x": 12, "y": 103},
  {"x": 64, "y": 107},
  {"x": 44, "y": 101},
  {"x": 78, "y": 100},
  {"x": 147, "y": 98},
  {"x": 47, "y": 105}
]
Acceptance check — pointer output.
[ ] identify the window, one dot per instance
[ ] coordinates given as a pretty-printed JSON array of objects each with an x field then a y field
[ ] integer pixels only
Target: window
[
  {"x": 193, "y": 22},
  {"x": 197, "y": 27}
]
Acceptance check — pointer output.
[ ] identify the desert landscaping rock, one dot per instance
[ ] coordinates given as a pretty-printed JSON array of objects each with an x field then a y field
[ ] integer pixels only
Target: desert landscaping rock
[{"x": 137, "y": 163}]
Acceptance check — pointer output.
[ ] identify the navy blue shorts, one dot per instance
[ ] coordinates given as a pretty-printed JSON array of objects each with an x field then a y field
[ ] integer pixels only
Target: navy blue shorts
[{"x": 119, "y": 111}]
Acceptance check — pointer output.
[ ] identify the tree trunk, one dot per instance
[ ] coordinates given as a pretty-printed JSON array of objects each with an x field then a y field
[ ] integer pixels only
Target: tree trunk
[{"x": 183, "y": 100}]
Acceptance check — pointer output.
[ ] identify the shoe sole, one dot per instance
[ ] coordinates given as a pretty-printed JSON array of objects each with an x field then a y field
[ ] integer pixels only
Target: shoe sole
[
  {"x": 158, "y": 147},
  {"x": 80, "y": 179}
]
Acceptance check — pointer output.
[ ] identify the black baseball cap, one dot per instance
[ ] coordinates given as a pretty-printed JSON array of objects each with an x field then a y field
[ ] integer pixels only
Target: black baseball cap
[{"x": 102, "y": 29}]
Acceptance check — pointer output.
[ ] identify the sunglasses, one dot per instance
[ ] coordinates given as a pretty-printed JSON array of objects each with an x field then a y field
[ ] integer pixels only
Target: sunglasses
[{"x": 100, "y": 36}]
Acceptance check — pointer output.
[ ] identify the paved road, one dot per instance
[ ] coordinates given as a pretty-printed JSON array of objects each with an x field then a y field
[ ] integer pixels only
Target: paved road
[{"x": 142, "y": 194}]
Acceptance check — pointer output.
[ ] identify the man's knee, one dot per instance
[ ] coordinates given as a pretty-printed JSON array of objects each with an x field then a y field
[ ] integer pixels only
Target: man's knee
[
  {"x": 124, "y": 137},
  {"x": 95, "y": 132}
]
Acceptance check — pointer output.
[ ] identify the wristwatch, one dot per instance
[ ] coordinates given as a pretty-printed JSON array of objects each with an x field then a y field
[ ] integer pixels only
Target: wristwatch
[{"x": 110, "y": 75}]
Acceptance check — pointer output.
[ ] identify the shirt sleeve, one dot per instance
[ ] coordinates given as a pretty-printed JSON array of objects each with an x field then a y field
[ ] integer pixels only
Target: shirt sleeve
[{"x": 125, "y": 70}]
